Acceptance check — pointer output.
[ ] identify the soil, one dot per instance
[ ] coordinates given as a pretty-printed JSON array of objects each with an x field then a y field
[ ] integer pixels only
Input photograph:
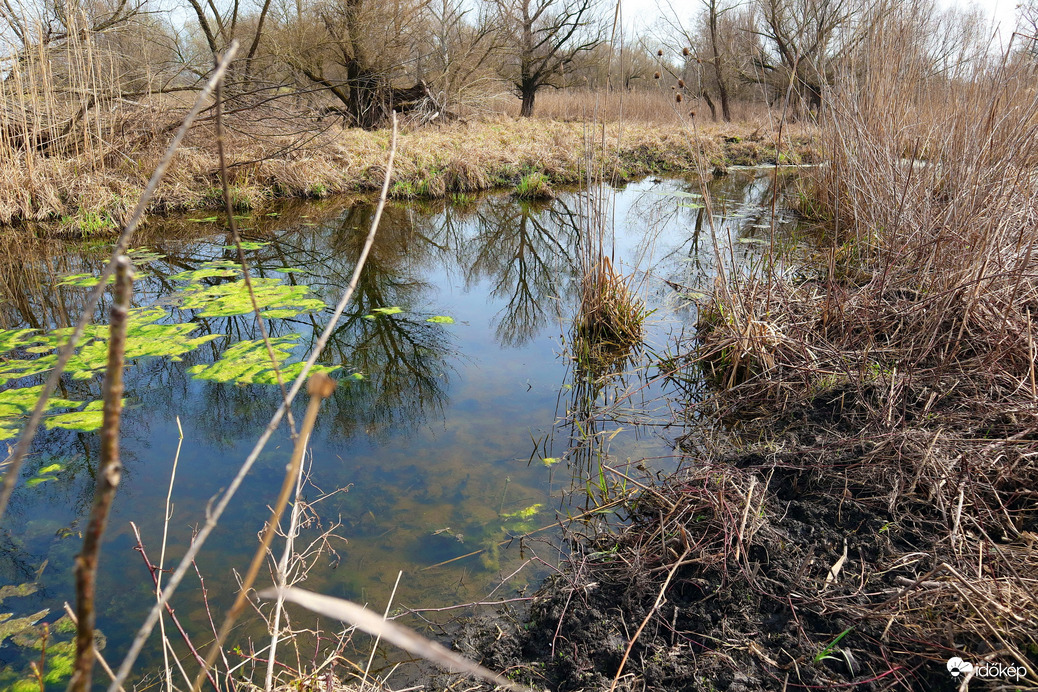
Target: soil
[{"x": 769, "y": 611}]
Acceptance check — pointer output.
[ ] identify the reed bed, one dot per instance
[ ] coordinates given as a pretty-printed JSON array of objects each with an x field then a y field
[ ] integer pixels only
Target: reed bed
[{"x": 638, "y": 106}]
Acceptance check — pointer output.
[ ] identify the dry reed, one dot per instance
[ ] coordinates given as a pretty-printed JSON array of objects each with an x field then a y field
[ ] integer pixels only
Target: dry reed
[
  {"x": 93, "y": 195},
  {"x": 901, "y": 375}
]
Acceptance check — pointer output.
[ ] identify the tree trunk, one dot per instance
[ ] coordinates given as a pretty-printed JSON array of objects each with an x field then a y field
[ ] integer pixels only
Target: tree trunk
[
  {"x": 722, "y": 88},
  {"x": 710, "y": 105},
  {"x": 526, "y": 110}
]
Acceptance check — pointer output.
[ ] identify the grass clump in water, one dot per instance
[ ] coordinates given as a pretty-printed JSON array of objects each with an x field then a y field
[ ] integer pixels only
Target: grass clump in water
[
  {"x": 611, "y": 317},
  {"x": 535, "y": 185}
]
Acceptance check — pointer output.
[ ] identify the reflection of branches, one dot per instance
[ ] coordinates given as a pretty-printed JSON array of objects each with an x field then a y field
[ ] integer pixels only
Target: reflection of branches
[
  {"x": 527, "y": 253},
  {"x": 403, "y": 359},
  {"x": 742, "y": 204}
]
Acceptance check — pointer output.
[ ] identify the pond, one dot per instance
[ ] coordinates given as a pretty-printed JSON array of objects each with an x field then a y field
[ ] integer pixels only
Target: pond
[{"x": 460, "y": 424}]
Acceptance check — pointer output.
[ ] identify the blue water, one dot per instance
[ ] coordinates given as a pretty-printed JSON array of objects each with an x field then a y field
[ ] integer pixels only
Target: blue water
[{"x": 435, "y": 454}]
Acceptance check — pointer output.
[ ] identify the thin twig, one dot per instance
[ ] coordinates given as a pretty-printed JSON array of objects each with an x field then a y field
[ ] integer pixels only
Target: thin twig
[
  {"x": 281, "y": 578},
  {"x": 209, "y": 616},
  {"x": 378, "y": 638},
  {"x": 109, "y": 472},
  {"x": 97, "y": 654},
  {"x": 233, "y": 225},
  {"x": 321, "y": 387},
  {"x": 648, "y": 616},
  {"x": 172, "y": 614}
]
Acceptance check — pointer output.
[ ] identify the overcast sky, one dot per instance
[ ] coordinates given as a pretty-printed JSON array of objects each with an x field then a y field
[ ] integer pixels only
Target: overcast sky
[{"x": 641, "y": 13}]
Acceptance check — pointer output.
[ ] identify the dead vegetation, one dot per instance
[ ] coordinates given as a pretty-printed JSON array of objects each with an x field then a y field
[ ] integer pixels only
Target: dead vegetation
[
  {"x": 898, "y": 382},
  {"x": 91, "y": 197}
]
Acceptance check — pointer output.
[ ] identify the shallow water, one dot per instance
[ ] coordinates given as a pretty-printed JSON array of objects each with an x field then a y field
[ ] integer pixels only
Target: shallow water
[{"x": 461, "y": 436}]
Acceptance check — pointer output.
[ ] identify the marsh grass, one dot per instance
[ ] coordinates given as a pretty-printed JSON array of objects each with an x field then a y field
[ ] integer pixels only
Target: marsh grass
[
  {"x": 325, "y": 159},
  {"x": 611, "y": 317},
  {"x": 637, "y": 106},
  {"x": 534, "y": 186}
]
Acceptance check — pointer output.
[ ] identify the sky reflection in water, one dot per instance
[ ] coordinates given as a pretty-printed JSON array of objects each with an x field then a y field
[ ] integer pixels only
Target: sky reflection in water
[{"x": 439, "y": 448}]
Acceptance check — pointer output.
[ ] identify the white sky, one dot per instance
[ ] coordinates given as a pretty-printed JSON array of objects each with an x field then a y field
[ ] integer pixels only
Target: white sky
[{"x": 641, "y": 13}]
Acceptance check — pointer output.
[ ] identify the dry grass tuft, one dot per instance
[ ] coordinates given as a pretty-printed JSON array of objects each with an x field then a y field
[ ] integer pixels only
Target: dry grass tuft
[{"x": 611, "y": 316}]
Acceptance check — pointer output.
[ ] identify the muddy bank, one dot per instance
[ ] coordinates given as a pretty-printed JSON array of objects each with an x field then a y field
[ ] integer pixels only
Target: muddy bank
[
  {"x": 791, "y": 564},
  {"x": 848, "y": 517}
]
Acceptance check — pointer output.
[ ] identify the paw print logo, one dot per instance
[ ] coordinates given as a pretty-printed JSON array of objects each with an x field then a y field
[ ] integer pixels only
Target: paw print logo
[{"x": 957, "y": 667}]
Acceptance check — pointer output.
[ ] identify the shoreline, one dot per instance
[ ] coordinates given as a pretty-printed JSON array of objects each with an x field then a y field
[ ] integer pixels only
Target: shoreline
[{"x": 432, "y": 163}]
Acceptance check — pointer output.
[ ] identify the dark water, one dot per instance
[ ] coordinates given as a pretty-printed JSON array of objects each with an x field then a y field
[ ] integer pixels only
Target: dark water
[{"x": 440, "y": 450}]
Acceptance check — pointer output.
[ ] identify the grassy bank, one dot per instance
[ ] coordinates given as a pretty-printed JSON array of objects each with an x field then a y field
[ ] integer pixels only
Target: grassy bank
[{"x": 92, "y": 195}]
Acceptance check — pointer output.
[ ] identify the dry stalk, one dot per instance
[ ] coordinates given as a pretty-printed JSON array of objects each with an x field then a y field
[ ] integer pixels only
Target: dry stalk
[
  {"x": 167, "y": 515},
  {"x": 378, "y": 638},
  {"x": 648, "y": 616},
  {"x": 320, "y": 388},
  {"x": 109, "y": 472}
]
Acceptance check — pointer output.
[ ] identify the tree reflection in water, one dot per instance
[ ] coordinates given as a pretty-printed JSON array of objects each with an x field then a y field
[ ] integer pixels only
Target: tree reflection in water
[{"x": 515, "y": 261}]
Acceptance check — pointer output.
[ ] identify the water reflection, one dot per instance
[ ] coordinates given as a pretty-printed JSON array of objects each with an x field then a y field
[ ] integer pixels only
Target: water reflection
[
  {"x": 434, "y": 443},
  {"x": 525, "y": 251}
]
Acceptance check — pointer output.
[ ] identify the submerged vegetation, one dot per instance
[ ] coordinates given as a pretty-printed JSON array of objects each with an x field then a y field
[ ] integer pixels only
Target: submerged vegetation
[{"x": 211, "y": 290}]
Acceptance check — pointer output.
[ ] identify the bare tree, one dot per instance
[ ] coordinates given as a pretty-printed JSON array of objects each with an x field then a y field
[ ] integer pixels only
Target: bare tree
[
  {"x": 1027, "y": 26},
  {"x": 223, "y": 22},
  {"x": 456, "y": 49},
  {"x": 716, "y": 47},
  {"x": 26, "y": 24},
  {"x": 542, "y": 38},
  {"x": 355, "y": 49},
  {"x": 713, "y": 13},
  {"x": 804, "y": 39}
]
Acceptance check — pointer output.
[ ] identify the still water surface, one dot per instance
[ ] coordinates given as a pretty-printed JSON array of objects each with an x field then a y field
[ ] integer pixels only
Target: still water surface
[{"x": 459, "y": 437}]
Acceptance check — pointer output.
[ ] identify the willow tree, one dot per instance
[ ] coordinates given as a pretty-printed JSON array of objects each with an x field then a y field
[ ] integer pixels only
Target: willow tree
[
  {"x": 358, "y": 51},
  {"x": 804, "y": 39},
  {"x": 540, "y": 39}
]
